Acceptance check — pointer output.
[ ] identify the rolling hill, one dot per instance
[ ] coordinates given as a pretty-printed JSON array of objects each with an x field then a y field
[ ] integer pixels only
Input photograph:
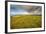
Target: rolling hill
[{"x": 25, "y": 21}]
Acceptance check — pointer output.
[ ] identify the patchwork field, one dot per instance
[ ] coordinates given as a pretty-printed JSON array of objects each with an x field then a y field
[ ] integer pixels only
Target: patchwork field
[{"x": 25, "y": 21}]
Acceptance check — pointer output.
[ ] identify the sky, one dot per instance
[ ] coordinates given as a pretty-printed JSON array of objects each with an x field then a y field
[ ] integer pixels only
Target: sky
[{"x": 24, "y": 10}]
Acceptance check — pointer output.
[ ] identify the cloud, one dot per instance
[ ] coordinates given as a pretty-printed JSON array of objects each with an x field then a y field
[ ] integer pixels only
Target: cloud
[{"x": 23, "y": 9}]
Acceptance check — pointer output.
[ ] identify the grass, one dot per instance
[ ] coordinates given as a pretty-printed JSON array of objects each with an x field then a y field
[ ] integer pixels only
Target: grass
[{"x": 25, "y": 21}]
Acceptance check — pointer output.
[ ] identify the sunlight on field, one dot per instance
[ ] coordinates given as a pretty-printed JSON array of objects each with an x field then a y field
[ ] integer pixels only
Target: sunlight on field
[{"x": 25, "y": 21}]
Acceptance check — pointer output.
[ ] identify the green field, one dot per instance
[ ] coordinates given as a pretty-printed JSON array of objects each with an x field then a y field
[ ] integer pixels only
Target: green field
[{"x": 25, "y": 21}]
